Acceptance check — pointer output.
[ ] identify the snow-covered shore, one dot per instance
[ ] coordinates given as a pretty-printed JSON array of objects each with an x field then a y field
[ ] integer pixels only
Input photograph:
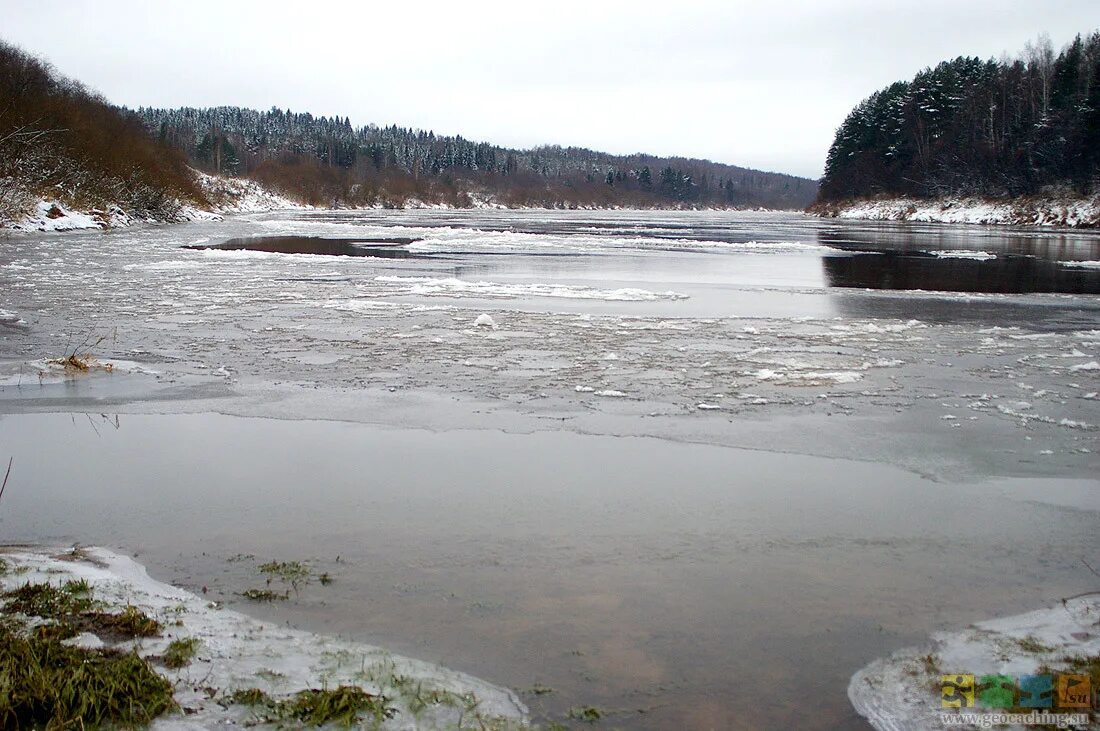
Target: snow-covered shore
[
  {"x": 1039, "y": 211},
  {"x": 237, "y": 652},
  {"x": 230, "y": 196},
  {"x": 227, "y": 196},
  {"x": 903, "y": 692}
]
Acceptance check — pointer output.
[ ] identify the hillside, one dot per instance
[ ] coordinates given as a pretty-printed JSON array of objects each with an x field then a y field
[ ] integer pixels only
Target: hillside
[
  {"x": 326, "y": 161},
  {"x": 1019, "y": 135},
  {"x": 62, "y": 146},
  {"x": 69, "y": 159}
]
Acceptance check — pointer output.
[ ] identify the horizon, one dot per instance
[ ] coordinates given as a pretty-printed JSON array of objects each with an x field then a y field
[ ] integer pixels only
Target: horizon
[{"x": 522, "y": 92}]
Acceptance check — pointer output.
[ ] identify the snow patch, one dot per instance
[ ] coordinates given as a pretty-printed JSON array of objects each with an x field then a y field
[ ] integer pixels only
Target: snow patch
[
  {"x": 484, "y": 320},
  {"x": 900, "y": 692}
]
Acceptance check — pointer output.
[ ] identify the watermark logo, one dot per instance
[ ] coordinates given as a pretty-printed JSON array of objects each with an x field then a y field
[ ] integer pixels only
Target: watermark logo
[
  {"x": 1063, "y": 690},
  {"x": 1060, "y": 700},
  {"x": 1036, "y": 691},
  {"x": 957, "y": 691},
  {"x": 1074, "y": 691}
]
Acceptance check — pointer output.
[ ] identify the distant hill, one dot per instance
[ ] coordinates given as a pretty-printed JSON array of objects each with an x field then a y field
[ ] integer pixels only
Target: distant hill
[
  {"x": 327, "y": 161},
  {"x": 1025, "y": 129},
  {"x": 60, "y": 141}
]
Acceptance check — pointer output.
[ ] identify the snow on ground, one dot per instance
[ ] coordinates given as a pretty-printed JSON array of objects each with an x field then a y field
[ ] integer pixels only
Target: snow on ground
[
  {"x": 902, "y": 692},
  {"x": 237, "y": 652},
  {"x": 227, "y": 196},
  {"x": 1035, "y": 212},
  {"x": 54, "y": 370},
  {"x": 51, "y": 215},
  {"x": 239, "y": 195}
]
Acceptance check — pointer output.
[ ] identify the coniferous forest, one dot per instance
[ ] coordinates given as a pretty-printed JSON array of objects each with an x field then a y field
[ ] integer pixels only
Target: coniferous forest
[
  {"x": 328, "y": 161},
  {"x": 970, "y": 127}
]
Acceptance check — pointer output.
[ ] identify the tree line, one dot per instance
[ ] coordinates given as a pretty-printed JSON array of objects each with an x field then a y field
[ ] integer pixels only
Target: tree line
[
  {"x": 60, "y": 140},
  {"x": 328, "y": 161},
  {"x": 1003, "y": 128}
]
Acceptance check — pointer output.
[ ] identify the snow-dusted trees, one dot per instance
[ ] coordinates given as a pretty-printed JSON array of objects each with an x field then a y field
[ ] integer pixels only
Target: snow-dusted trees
[
  {"x": 970, "y": 126},
  {"x": 327, "y": 160}
]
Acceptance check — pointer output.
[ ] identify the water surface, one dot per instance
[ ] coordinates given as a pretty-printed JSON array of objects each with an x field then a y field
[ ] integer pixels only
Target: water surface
[{"x": 670, "y": 585}]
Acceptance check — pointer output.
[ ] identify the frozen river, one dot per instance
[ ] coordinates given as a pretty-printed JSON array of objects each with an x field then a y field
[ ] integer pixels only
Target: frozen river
[{"x": 689, "y": 468}]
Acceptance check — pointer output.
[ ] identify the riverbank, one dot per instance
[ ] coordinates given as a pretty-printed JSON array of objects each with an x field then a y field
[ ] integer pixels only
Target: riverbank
[
  {"x": 101, "y": 609},
  {"x": 1040, "y": 661},
  {"x": 1032, "y": 211},
  {"x": 230, "y": 196},
  {"x": 226, "y": 196}
]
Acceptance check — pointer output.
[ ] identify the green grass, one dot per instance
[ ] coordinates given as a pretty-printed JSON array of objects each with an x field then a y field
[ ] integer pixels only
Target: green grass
[
  {"x": 180, "y": 653},
  {"x": 292, "y": 573},
  {"x": 48, "y": 685},
  {"x": 252, "y": 697},
  {"x": 263, "y": 595},
  {"x": 342, "y": 706},
  {"x": 49, "y": 601},
  {"x": 345, "y": 706},
  {"x": 130, "y": 622}
]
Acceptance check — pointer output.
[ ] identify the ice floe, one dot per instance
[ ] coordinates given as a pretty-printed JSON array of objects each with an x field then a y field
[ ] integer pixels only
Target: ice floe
[{"x": 452, "y": 287}]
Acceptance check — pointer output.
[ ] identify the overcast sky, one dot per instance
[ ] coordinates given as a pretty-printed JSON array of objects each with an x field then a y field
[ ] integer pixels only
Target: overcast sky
[{"x": 760, "y": 84}]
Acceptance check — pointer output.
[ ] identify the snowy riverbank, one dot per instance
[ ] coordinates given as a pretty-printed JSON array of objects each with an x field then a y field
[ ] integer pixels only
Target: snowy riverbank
[
  {"x": 1041, "y": 211},
  {"x": 226, "y": 195},
  {"x": 236, "y": 653},
  {"x": 903, "y": 692}
]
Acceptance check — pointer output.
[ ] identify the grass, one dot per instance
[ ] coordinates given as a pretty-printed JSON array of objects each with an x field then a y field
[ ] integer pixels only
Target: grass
[
  {"x": 263, "y": 595},
  {"x": 291, "y": 573},
  {"x": 78, "y": 362},
  {"x": 130, "y": 622},
  {"x": 180, "y": 652},
  {"x": 50, "y": 685},
  {"x": 46, "y": 684},
  {"x": 1032, "y": 645},
  {"x": 344, "y": 706},
  {"x": 252, "y": 697},
  {"x": 49, "y": 601},
  {"x": 588, "y": 714},
  {"x": 1085, "y": 665}
]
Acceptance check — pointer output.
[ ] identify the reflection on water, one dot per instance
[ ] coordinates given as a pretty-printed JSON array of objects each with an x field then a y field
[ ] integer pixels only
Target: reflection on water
[
  {"x": 1005, "y": 273},
  {"x": 384, "y": 248},
  {"x": 961, "y": 260}
]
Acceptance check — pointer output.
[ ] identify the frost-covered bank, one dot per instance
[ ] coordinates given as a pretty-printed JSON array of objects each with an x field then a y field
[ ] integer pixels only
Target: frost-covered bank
[
  {"x": 903, "y": 691},
  {"x": 224, "y": 196},
  {"x": 239, "y": 669},
  {"x": 1032, "y": 211}
]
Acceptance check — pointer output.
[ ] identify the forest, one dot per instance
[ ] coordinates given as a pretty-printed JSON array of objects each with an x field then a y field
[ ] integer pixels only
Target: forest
[
  {"x": 327, "y": 161},
  {"x": 56, "y": 136},
  {"x": 1004, "y": 128}
]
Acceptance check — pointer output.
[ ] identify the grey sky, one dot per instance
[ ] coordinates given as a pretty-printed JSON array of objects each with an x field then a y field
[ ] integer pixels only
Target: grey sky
[{"x": 761, "y": 84}]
